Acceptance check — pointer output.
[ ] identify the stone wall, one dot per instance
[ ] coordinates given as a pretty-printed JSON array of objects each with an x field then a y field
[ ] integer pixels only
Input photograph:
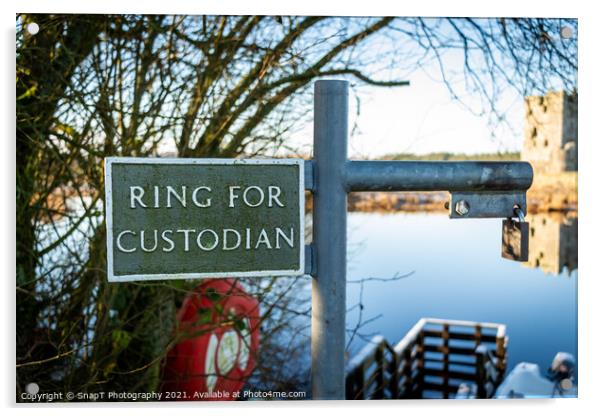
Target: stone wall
[{"x": 551, "y": 133}]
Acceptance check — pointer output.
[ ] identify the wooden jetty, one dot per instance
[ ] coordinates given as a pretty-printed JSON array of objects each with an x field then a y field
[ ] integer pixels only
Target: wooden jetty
[{"x": 432, "y": 361}]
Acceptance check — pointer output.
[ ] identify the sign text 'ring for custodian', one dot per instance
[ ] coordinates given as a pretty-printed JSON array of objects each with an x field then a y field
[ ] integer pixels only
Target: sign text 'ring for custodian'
[{"x": 190, "y": 218}]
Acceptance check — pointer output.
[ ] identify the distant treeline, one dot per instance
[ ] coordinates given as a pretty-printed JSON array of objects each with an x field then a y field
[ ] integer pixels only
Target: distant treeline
[{"x": 454, "y": 156}]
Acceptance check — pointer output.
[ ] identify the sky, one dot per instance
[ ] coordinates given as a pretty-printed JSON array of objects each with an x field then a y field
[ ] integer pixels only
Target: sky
[
  {"x": 420, "y": 118},
  {"x": 423, "y": 118}
]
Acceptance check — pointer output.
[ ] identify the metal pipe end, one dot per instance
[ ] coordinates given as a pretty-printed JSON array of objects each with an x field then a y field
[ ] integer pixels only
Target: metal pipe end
[{"x": 331, "y": 86}]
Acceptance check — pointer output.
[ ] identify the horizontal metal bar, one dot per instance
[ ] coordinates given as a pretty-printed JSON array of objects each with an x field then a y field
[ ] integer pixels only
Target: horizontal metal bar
[{"x": 437, "y": 176}]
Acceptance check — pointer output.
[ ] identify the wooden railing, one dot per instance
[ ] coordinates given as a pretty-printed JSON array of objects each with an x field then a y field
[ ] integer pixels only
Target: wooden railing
[{"x": 433, "y": 360}]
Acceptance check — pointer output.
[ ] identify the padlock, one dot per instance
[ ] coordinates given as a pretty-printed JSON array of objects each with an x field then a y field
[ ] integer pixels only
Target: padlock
[{"x": 515, "y": 238}]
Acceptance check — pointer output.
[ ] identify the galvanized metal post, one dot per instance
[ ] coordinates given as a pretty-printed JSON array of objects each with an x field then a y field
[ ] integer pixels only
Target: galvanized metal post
[
  {"x": 492, "y": 188},
  {"x": 329, "y": 239}
]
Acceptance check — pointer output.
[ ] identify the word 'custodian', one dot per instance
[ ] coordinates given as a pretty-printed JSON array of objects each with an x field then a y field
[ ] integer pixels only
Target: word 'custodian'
[{"x": 206, "y": 239}]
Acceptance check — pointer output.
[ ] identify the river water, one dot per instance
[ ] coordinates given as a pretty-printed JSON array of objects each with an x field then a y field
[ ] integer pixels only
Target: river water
[{"x": 458, "y": 273}]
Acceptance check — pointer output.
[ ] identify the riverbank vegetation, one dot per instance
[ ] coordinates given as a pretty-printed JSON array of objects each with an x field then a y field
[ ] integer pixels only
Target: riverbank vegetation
[{"x": 454, "y": 156}]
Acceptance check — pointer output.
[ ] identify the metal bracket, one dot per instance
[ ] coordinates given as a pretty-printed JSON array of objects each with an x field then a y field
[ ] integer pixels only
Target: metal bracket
[
  {"x": 308, "y": 168},
  {"x": 486, "y": 204},
  {"x": 309, "y": 266}
]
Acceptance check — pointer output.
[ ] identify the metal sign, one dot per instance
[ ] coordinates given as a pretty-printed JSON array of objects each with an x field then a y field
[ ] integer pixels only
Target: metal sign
[{"x": 195, "y": 218}]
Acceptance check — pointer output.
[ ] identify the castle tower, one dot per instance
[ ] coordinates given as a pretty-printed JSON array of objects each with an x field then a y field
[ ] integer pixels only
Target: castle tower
[
  {"x": 551, "y": 132},
  {"x": 552, "y": 243}
]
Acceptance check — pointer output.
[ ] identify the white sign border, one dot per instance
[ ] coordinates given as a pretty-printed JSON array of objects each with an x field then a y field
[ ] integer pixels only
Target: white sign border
[{"x": 110, "y": 161}]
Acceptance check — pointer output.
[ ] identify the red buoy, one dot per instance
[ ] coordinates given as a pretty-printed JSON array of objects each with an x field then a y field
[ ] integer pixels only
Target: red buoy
[{"x": 219, "y": 332}]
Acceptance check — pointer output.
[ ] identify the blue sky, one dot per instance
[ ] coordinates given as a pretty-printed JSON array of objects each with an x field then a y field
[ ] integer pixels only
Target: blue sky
[{"x": 423, "y": 118}]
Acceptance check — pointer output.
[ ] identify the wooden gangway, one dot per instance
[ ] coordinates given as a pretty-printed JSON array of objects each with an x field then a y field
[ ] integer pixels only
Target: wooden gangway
[{"x": 433, "y": 360}]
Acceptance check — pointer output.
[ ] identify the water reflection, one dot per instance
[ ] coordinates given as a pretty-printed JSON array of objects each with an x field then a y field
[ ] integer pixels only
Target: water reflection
[
  {"x": 553, "y": 242},
  {"x": 459, "y": 273}
]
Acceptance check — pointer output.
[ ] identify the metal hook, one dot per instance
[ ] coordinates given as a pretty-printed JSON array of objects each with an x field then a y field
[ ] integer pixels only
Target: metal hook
[{"x": 519, "y": 213}]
